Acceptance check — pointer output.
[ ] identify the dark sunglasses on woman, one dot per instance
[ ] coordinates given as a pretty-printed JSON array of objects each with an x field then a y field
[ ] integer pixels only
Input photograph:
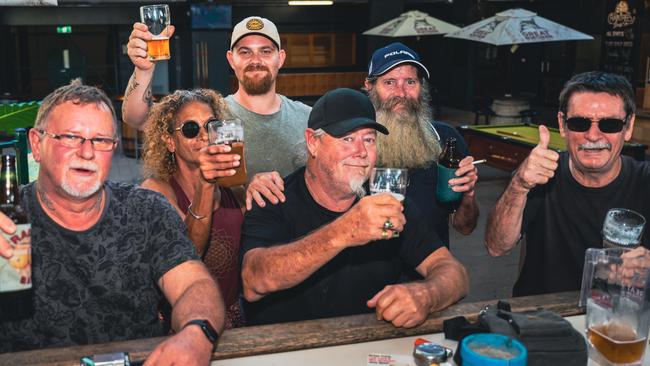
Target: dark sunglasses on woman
[
  {"x": 190, "y": 129},
  {"x": 605, "y": 125}
]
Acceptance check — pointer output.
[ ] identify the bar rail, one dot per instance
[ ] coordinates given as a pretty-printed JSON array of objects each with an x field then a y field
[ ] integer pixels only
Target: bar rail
[{"x": 256, "y": 340}]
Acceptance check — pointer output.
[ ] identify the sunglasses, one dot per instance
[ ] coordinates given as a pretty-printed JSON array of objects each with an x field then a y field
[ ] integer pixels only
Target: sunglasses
[
  {"x": 190, "y": 129},
  {"x": 605, "y": 125}
]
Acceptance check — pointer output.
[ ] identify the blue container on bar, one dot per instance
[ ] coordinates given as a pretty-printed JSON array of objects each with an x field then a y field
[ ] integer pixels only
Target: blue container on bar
[{"x": 489, "y": 349}]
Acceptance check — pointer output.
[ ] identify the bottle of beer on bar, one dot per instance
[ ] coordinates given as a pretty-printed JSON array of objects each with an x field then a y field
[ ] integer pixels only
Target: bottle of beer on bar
[
  {"x": 16, "y": 292},
  {"x": 447, "y": 165}
]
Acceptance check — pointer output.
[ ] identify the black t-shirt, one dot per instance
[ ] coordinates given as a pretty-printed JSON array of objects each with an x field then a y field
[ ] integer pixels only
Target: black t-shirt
[
  {"x": 344, "y": 284},
  {"x": 100, "y": 284},
  {"x": 563, "y": 218}
]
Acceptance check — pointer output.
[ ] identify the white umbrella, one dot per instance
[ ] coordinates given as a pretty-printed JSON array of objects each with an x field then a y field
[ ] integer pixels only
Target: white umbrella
[
  {"x": 412, "y": 23},
  {"x": 517, "y": 26}
]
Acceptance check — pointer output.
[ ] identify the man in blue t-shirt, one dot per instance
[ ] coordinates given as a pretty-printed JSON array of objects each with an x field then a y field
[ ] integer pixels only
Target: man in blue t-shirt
[{"x": 397, "y": 86}]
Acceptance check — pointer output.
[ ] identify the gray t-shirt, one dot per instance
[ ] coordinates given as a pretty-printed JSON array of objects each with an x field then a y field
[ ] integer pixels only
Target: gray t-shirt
[
  {"x": 273, "y": 142},
  {"x": 100, "y": 284}
]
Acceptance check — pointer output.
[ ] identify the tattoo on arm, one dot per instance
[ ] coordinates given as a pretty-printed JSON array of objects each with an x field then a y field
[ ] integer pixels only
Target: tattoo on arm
[
  {"x": 131, "y": 86},
  {"x": 147, "y": 96}
]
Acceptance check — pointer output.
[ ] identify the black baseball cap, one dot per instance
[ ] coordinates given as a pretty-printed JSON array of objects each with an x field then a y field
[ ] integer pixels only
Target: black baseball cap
[{"x": 342, "y": 110}]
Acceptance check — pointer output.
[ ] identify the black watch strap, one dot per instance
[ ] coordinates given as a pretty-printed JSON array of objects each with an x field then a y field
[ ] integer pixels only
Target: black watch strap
[{"x": 207, "y": 329}]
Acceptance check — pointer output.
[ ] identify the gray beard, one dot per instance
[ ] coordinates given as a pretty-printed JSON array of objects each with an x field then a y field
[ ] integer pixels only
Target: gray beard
[{"x": 411, "y": 143}]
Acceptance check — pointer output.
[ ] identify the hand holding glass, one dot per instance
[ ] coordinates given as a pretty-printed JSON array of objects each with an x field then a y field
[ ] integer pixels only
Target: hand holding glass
[
  {"x": 157, "y": 19},
  {"x": 230, "y": 132},
  {"x": 389, "y": 180}
]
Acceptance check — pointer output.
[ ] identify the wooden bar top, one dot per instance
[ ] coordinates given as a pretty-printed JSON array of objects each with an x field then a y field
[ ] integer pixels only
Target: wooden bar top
[{"x": 250, "y": 341}]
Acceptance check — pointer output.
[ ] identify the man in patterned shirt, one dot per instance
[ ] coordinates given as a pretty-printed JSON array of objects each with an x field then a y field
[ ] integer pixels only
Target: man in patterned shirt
[{"x": 102, "y": 251}]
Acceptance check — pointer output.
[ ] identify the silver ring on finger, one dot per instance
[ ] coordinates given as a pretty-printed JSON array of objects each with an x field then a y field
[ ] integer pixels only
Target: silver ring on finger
[{"x": 388, "y": 224}]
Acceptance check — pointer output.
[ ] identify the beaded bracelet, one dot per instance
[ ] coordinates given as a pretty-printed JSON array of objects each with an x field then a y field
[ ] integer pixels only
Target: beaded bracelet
[{"x": 189, "y": 210}]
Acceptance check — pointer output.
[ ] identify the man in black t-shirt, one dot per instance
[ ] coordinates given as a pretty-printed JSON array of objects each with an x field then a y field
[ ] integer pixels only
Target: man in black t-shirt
[
  {"x": 326, "y": 252},
  {"x": 559, "y": 201},
  {"x": 104, "y": 253}
]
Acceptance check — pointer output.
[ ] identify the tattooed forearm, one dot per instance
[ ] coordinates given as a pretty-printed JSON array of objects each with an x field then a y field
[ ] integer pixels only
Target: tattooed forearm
[
  {"x": 147, "y": 97},
  {"x": 131, "y": 86}
]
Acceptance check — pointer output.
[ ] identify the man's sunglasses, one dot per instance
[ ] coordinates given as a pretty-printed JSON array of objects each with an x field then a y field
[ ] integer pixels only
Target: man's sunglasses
[
  {"x": 605, "y": 125},
  {"x": 190, "y": 129}
]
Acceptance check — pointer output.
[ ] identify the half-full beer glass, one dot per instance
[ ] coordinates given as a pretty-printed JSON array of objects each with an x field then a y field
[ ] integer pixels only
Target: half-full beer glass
[
  {"x": 157, "y": 19},
  {"x": 615, "y": 292},
  {"x": 230, "y": 132},
  {"x": 622, "y": 228}
]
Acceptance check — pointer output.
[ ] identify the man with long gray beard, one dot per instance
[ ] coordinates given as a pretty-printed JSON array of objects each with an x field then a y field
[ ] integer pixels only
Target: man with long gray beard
[
  {"x": 327, "y": 252},
  {"x": 273, "y": 123},
  {"x": 398, "y": 88}
]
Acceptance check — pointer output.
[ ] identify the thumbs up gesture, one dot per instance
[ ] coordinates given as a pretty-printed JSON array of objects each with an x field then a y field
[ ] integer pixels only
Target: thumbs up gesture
[{"x": 540, "y": 165}]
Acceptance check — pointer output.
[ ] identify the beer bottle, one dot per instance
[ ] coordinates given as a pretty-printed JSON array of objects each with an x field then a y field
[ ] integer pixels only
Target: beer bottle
[
  {"x": 447, "y": 165},
  {"x": 16, "y": 292}
]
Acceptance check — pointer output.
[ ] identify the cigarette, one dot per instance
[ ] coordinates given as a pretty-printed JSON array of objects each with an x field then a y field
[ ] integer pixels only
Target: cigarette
[{"x": 477, "y": 162}]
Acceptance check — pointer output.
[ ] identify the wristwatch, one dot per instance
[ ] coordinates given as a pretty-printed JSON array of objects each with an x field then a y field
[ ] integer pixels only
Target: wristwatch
[{"x": 207, "y": 329}]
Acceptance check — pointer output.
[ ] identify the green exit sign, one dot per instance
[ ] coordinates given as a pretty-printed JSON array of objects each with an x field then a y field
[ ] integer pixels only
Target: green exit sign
[{"x": 64, "y": 29}]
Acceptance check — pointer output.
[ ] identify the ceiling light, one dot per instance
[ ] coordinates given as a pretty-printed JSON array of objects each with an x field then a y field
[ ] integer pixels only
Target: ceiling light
[{"x": 311, "y": 2}]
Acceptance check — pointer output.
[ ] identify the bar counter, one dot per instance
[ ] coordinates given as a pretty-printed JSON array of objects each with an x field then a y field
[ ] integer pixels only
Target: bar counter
[{"x": 251, "y": 341}]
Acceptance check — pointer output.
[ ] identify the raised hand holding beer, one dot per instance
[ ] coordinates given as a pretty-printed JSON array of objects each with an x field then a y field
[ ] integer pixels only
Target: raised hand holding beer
[
  {"x": 137, "y": 46},
  {"x": 157, "y": 20},
  {"x": 540, "y": 165}
]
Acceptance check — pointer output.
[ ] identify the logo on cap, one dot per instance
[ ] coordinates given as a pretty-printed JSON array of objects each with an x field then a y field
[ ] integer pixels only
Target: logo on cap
[
  {"x": 254, "y": 24},
  {"x": 400, "y": 52}
]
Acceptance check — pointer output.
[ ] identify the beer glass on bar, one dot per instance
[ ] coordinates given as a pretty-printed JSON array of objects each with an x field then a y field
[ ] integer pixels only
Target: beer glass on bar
[
  {"x": 389, "y": 180},
  {"x": 157, "y": 19},
  {"x": 622, "y": 228},
  {"x": 614, "y": 290},
  {"x": 230, "y": 132}
]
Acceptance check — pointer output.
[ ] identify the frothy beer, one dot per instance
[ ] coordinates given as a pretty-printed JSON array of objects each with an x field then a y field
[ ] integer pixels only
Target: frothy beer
[{"x": 158, "y": 48}]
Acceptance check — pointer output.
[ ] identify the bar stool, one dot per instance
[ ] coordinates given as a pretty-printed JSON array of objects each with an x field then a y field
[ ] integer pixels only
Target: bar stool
[{"x": 482, "y": 108}]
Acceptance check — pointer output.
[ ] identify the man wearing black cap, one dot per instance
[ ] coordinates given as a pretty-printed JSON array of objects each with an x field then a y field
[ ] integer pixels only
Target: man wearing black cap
[
  {"x": 397, "y": 86},
  {"x": 327, "y": 250}
]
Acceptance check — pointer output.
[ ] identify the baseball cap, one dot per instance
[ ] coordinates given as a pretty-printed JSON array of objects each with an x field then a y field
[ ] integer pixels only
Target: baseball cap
[
  {"x": 392, "y": 55},
  {"x": 255, "y": 25},
  {"x": 342, "y": 110}
]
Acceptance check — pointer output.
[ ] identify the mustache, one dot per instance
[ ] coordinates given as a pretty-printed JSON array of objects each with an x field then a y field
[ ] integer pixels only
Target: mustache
[
  {"x": 256, "y": 67},
  {"x": 390, "y": 103},
  {"x": 595, "y": 146},
  {"x": 86, "y": 165}
]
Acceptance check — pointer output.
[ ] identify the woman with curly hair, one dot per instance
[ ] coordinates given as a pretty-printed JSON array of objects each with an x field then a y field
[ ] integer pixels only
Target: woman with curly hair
[{"x": 180, "y": 164}]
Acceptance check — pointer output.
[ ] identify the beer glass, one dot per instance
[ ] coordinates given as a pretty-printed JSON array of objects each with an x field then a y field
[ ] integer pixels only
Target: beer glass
[
  {"x": 622, "y": 228},
  {"x": 230, "y": 132},
  {"x": 618, "y": 314},
  {"x": 157, "y": 19},
  {"x": 389, "y": 180}
]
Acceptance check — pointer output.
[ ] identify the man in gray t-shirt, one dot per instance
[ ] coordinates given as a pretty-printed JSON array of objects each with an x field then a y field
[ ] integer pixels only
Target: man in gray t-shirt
[
  {"x": 274, "y": 142},
  {"x": 274, "y": 125}
]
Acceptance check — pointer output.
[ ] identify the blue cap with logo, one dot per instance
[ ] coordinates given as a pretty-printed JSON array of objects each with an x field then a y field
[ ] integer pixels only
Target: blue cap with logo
[{"x": 392, "y": 55}]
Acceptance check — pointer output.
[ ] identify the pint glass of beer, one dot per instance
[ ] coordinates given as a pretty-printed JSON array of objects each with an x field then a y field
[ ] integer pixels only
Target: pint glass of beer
[
  {"x": 230, "y": 132},
  {"x": 622, "y": 228},
  {"x": 156, "y": 18}
]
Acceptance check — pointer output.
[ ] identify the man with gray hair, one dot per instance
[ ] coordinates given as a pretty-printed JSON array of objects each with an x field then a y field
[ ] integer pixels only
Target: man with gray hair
[
  {"x": 398, "y": 88},
  {"x": 104, "y": 252},
  {"x": 326, "y": 252},
  {"x": 557, "y": 202}
]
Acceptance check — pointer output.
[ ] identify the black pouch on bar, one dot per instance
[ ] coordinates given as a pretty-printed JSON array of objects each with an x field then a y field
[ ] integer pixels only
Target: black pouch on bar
[{"x": 549, "y": 338}]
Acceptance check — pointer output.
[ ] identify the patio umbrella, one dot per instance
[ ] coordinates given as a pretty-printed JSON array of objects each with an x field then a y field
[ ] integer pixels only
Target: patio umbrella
[
  {"x": 412, "y": 23},
  {"x": 517, "y": 26}
]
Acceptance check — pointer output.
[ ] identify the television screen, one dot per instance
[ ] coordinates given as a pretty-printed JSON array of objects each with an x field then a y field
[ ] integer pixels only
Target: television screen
[{"x": 211, "y": 16}]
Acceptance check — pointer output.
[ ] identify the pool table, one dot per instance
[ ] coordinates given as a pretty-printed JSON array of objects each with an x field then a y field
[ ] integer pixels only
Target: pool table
[{"x": 506, "y": 146}]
